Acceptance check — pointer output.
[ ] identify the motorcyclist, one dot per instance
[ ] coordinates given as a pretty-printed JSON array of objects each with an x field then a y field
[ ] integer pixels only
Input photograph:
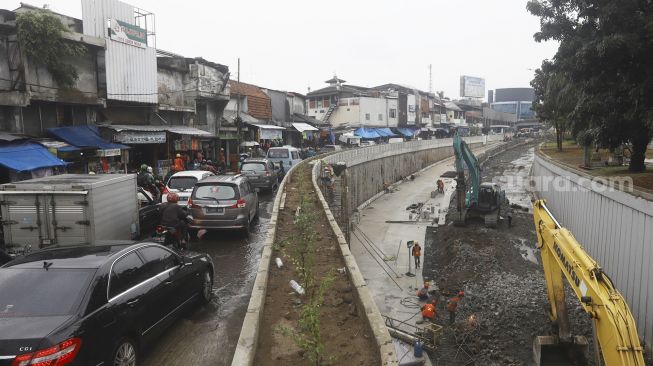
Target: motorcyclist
[
  {"x": 174, "y": 216},
  {"x": 145, "y": 179}
]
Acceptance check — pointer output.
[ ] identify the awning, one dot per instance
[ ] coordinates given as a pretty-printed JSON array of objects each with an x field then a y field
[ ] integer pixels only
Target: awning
[
  {"x": 367, "y": 133},
  {"x": 54, "y": 145},
  {"x": 180, "y": 130},
  {"x": 27, "y": 156},
  {"x": 267, "y": 127},
  {"x": 385, "y": 132},
  {"x": 84, "y": 136},
  {"x": 406, "y": 131},
  {"x": 9, "y": 137},
  {"x": 301, "y": 127}
]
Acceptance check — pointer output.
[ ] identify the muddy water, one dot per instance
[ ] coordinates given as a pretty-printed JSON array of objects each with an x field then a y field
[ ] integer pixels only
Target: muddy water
[
  {"x": 515, "y": 178},
  {"x": 208, "y": 335}
]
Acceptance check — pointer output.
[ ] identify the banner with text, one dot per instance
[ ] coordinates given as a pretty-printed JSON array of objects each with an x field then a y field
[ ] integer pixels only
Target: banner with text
[{"x": 127, "y": 33}]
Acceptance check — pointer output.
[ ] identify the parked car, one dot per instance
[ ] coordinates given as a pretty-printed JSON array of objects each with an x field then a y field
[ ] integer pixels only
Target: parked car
[
  {"x": 331, "y": 148},
  {"x": 261, "y": 173},
  {"x": 223, "y": 202},
  {"x": 95, "y": 305},
  {"x": 182, "y": 183},
  {"x": 287, "y": 154},
  {"x": 366, "y": 143}
]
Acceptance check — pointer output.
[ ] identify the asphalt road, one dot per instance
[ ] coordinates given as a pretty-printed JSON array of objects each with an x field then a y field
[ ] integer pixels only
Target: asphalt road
[{"x": 207, "y": 335}]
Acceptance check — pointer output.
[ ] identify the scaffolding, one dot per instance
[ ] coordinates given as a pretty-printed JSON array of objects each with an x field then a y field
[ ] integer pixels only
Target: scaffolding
[{"x": 146, "y": 20}]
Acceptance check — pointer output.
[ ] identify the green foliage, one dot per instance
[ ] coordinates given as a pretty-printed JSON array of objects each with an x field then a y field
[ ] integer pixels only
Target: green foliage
[
  {"x": 604, "y": 61},
  {"x": 40, "y": 34}
]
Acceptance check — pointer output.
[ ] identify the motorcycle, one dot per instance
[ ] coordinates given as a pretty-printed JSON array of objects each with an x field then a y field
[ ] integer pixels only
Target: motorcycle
[{"x": 171, "y": 236}]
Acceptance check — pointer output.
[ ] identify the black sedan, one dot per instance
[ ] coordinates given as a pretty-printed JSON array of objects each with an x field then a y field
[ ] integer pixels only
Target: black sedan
[{"x": 95, "y": 305}]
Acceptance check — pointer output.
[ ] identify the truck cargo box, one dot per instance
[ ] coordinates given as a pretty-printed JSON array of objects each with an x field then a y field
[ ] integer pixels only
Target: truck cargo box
[{"x": 69, "y": 209}]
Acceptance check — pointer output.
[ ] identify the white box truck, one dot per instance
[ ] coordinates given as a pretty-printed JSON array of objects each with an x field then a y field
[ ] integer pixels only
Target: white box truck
[{"x": 69, "y": 209}]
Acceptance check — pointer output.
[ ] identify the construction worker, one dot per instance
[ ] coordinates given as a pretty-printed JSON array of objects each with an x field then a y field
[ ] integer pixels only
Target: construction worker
[
  {"x": 178, "y": 164},
  {"x": 429, "y": 311},
  {"x": 452, "y": 306},
  {"x": 423, "y": 293},
  {"x": 417, "y": 253}
]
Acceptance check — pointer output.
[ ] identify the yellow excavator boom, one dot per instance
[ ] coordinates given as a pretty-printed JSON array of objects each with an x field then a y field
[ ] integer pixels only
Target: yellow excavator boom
[{"x": 562, "y": 255}]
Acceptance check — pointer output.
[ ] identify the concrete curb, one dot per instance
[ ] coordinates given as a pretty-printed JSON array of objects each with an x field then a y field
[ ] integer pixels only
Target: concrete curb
[
  {"x": 365, "y": 301},
  {"x": 248, "y": 340}
]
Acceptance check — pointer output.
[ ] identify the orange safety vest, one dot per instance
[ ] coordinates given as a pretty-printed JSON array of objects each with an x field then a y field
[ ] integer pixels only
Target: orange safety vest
[
  {"x": 417, "y": 251},
  {"x": 428, "y": 311},
  {"x": 179, "y": 164},
  {"x": 453, "y": 304}
]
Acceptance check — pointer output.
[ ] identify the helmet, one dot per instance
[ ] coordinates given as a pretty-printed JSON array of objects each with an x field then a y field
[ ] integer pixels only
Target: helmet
[
  {"x": 143, "y": 167},
  {"x": 172, "y": 197},
  {"x": 179, "y": 155},
  {"x": 149, "y": 169},
  {"x": 461, "y": 293}
]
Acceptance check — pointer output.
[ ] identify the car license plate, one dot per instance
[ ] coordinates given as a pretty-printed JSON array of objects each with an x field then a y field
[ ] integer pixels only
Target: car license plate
[
  {"x": 181, "y": 198},
  {"x": 215, "y": 210}
]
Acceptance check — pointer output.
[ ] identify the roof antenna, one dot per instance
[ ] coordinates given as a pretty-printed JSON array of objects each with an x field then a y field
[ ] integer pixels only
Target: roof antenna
[{"x": 47, "y": 265}]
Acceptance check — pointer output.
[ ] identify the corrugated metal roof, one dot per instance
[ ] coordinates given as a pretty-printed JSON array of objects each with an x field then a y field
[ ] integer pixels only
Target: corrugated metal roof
[
  {"x": 181, "y": 130},
  {"x": 269, "y": 127}
]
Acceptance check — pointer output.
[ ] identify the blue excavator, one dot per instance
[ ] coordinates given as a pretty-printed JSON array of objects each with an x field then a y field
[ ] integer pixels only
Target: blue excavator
[{"x": 474, "y": 199}]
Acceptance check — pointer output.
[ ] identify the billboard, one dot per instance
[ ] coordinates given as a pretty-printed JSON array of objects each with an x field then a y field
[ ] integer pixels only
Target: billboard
[
  {"x": 472, "y": 87},
  {"x": 127, "y": 33}
]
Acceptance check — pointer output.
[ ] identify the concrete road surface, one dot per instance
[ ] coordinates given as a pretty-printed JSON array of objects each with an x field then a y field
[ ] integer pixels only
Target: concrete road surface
[{"x": 207, "y": 335}]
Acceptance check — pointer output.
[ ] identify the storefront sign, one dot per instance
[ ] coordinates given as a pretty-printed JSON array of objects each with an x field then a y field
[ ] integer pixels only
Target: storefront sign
[
  {"x": 270, "y": 134},
  {"x": 140, "y": 137},
  {"x": 127, "y": 33},
  {"x": 108, "y": 152}
]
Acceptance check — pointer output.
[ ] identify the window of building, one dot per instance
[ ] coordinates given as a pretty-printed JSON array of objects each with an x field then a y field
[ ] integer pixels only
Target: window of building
[
  {"x": 65, "y": 115},
  {"x": 319, "y": 103},
  {"x": 327, "y": 103},
  {"x": 311, "y": 104},
  {"x": 393, "y": 113},
  {"x": 380, "y": 117},
  {"x": 367, "y": 116}
]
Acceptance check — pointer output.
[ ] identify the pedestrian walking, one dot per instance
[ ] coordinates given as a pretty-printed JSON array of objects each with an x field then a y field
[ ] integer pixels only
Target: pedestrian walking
[
  {"x": 417, "y": 253},
  {"x": 452, "y": 306},
  {"x": 440, "y": 184}
]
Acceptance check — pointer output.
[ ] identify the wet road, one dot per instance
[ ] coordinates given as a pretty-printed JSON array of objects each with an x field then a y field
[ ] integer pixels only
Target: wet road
[{"x": 207, "y": 335}]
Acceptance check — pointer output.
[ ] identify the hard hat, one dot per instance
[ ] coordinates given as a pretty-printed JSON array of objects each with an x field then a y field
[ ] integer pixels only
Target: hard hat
[
  {"x": 172, "y": 197},
  {"x": 149, "y": 169},
  {"x": 179, "y": 155},
  {"x": 143, "y": 166},
  {"x": 461, "y": 293}
]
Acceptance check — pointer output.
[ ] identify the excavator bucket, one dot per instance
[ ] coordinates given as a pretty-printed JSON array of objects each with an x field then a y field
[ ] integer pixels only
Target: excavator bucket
[{"x": 549, "y": 351}]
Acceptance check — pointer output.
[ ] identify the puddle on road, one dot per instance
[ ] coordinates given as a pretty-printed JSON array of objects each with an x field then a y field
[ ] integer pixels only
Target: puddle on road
[
  {"x": 527, "y": 252},
  {"x": 515, "y": 180}
]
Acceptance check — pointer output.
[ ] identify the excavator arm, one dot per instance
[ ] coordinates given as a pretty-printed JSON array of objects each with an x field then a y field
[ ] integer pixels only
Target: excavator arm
[
  {"x": 562, "y": 255},
  {"x": 465, "y": 157}
]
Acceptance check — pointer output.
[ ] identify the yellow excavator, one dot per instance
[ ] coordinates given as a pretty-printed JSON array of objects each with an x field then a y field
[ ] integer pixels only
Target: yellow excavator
[{"x": 613, "y": 323}]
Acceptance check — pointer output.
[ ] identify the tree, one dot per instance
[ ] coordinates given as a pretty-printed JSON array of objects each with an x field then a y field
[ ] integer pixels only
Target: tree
[
  {"x": 40, "y": 34},
  {"x": 604, "y": 53},
  {"x": 555, "y": 99}
]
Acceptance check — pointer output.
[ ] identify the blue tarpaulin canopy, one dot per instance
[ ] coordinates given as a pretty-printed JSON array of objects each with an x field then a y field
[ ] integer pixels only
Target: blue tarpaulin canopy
[
  {"x": 27, "y": 156},
  {"x": 385, "y": 132},
  {"x": 406, "y": 131},
  {"x": 84, "y": 136},
  {"x": 369, "y": 133}
]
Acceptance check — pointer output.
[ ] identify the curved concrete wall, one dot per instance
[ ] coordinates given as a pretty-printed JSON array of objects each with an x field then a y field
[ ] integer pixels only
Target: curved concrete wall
[
  {"x": 370, "y": 169},
  {"x": 614, "y": 227}
]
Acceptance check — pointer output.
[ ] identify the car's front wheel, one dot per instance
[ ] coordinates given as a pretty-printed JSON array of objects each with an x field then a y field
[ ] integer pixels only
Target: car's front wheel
[
  {"x": 125, "y": 353},
  {"x": 207, "y": 287}
]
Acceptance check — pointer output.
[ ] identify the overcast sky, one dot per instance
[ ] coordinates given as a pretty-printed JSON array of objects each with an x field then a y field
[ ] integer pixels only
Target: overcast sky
[{"x": 293, "y": 44}]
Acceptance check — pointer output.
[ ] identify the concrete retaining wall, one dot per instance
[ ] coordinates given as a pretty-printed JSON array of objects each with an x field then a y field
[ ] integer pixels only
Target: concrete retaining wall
[
  {"x": 371, "y": 169},
  {"x": 614, "y": 227}
]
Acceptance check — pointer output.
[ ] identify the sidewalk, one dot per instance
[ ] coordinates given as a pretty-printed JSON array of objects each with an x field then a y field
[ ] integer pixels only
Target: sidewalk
[{"x": 380, "y": 247}]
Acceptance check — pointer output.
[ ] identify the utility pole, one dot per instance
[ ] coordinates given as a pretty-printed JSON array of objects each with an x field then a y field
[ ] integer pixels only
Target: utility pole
[{"x": 238, "y": 120}]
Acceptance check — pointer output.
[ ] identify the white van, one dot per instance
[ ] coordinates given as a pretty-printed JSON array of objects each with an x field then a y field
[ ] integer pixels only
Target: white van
[{"x": 287, "y": 154}]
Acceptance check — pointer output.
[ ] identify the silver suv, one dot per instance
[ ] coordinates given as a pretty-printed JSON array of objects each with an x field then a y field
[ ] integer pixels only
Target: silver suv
[
  {"x": 261, "y": 173},
  {"x": 223, "y": 202}
]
